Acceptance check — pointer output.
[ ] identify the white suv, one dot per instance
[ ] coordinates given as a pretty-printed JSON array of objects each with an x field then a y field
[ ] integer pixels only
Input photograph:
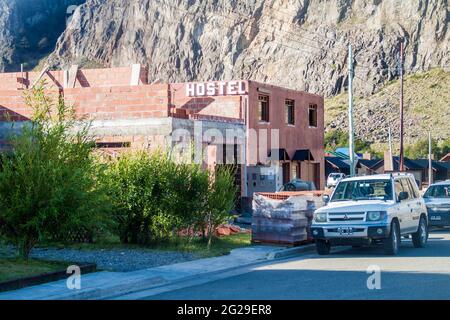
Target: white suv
[{"x": 368, "y": 210}]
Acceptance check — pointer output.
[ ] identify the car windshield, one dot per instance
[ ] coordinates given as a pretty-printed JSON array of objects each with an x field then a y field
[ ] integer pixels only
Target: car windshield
[
  {"x": 442, "y": 191},
  {"x": 363, "y": 190}
]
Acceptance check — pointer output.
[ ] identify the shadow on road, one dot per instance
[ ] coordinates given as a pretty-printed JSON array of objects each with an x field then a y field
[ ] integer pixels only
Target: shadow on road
[
  {"x": 438, "y": 246},
  {"x": 318, "y": 285}
]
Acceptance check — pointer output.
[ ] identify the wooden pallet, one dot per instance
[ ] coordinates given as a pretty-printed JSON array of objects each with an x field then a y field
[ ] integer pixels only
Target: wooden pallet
[{"x": 283, "y": 195}]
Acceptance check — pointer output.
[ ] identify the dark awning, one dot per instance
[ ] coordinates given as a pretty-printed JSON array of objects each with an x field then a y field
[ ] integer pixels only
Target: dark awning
[
  {"x": 337, "y": 162},
  {"x": 282, "y": 154},
  {"x": 303, "y": 155}
]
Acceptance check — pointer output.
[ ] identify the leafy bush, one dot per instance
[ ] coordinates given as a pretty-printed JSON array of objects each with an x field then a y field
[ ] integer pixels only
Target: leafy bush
[
  {"x": 49, "y": 183},
  {"x": 221, "y": 199},
  {"x": 154, "y": 197}
]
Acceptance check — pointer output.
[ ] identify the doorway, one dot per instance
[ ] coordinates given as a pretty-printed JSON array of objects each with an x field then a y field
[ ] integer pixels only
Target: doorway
[{"x": 286, "y": 172}]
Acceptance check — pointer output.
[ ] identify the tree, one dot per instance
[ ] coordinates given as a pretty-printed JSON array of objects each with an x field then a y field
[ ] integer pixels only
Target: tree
[
  {"x": 49, "y": 183},
  {"x": 420, "y": 149},
  {"x": 338, "y": 138},
  {"x": 443, "y": 148}
]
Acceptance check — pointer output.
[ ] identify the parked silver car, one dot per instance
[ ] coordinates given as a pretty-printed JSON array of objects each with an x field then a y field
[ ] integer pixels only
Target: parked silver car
[
  {"x": 372, "y": 210},
  {"x": 334, "y": 178},
  {"x": 437, "y": 200}
]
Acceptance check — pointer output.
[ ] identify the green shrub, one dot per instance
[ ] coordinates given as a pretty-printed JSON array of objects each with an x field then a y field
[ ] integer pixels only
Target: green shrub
[
  {"x": 48, "y": 184},
  {"x": 155, "y": 197},
  {"x": 221, "y": 200}
]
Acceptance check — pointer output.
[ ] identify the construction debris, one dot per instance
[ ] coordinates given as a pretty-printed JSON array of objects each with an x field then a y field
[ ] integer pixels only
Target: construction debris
[{"x": 284, "y": 219}]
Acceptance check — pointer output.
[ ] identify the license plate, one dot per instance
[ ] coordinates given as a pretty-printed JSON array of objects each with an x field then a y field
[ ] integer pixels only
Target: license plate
[
  {"x": 436, "y": 218},
  {"x": 345, "y": 231}
]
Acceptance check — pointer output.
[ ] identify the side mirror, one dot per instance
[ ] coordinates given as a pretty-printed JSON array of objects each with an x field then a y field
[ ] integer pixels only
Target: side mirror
[
  {"x": 326, "y": 198},
  {"x": 403, "y": 196}
]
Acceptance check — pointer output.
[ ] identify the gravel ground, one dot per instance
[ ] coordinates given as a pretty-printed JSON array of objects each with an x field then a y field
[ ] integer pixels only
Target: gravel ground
[{"x": 121, "y": 260}]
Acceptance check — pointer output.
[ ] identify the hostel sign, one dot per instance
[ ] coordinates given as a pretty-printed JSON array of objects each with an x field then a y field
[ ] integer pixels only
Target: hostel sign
[{"x": 222, "y": 88}]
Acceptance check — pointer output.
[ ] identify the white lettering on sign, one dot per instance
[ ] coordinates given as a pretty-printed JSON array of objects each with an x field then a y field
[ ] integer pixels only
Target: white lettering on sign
[{"x": 216, "y": 89}]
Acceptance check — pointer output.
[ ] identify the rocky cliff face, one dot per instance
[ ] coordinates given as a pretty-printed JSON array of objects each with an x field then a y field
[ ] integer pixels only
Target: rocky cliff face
[
  {"x": 30, "y": 29},
  {"x": 301, "y": 44}
]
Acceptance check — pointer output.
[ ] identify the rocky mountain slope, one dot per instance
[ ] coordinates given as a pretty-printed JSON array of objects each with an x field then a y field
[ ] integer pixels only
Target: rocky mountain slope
[
  {"x": 300, "y": 44},
  {"x": 30, "y": 29},
  {"x": 426, "y": 105}
]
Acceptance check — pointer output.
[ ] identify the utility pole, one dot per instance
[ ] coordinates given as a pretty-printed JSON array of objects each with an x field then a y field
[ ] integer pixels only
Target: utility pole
[
  {"x": 402, "y": 158},
  {"x": 350, "y": 112},
  {"x": 391, "y": 158},
  {"x": 430, "y": 161},
  {"x": 21, "y": 74}
]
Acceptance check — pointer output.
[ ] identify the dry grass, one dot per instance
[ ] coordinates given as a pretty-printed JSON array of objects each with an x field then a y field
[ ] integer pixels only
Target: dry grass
[{"x": 427, "y": 105}]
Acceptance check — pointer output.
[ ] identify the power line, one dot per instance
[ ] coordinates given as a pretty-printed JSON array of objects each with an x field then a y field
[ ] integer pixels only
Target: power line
[
  {"x": 323, "y": 50},
  {"x": 247, "y": 18}
]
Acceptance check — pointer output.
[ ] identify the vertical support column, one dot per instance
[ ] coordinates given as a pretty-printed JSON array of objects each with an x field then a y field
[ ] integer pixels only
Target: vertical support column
[{"x": 350, "y": 112}]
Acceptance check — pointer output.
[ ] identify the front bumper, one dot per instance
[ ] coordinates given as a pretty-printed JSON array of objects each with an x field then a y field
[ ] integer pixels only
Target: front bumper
[
  {"x": 350, "y": 234},
  {"x": 438, "y": 217}
]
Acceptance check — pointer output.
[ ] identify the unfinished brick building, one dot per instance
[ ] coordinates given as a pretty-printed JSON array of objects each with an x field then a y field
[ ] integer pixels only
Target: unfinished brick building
[{"x": 128, "y": 112}]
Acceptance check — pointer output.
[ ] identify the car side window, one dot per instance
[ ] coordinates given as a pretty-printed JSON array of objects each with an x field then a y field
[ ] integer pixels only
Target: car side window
[
  {"x": 407, "y": 188},
  {"x": 398, "y": 188},
  {"x": 414, "y": 193}
]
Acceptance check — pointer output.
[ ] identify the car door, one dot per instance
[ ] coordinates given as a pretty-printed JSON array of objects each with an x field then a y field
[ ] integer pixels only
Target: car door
[
  {"x": 403, "y": 210},
  {"x": 411, "y": 218},
  {"x": 417, "y": 203}
]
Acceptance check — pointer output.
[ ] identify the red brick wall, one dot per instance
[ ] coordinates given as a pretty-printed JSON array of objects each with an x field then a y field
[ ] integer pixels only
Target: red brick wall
[
  {"x": 110, "y": 103},
  {"x": 13, "y": 107},
  {"x": 85, "y": 78},
  {"x": 292, "y": 137},
  {"x": 216, "y": 106},
  {"x": 107, "y": 103}
]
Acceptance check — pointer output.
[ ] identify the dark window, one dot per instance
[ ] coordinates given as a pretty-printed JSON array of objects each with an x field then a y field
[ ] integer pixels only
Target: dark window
[
  {"x": 363, "y": 189},
  {"x": 263, "y": 108},
  {"x": 290, "y": 111},
  {"x": 312, "y": 115},
  {"x": 438, "y": 191},
  {"x": 112, "y": 145}
]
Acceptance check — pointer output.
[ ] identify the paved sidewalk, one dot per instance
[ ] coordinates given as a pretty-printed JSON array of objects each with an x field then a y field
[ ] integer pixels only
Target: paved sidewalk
[{"x": 104, "y": 285}]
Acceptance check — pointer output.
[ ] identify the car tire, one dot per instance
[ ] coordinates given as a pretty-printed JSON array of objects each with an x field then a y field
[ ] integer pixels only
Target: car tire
[
  {"x": 420, "y": 237},
  {"x": 323, "y": 247},
  {"x": 392, "y": 243}
]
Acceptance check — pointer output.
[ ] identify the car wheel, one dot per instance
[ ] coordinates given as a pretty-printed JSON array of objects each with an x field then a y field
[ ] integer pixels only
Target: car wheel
[
  {"x": 420, "y": 238},
  {"x": 323, "y": 247},
  {"x": 392, "y": 243}
]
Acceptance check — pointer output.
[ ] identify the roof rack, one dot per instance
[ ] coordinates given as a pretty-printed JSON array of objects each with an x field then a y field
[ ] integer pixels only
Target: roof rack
[{"x": 400, "y": 174}]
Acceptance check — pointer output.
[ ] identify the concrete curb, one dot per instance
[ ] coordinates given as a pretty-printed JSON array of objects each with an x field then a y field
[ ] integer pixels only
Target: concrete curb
[
  {"x": 142, "y": 283},
  {"x": 148, "y": 284},
  {"x": 120, "y": 289},
  {"x": 21, "y": 283},
  {"x": 291, "y": 252}
]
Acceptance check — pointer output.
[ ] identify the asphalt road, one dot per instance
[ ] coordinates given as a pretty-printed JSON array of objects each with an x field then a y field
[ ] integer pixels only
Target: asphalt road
[{"x": 413, "y": 274}]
